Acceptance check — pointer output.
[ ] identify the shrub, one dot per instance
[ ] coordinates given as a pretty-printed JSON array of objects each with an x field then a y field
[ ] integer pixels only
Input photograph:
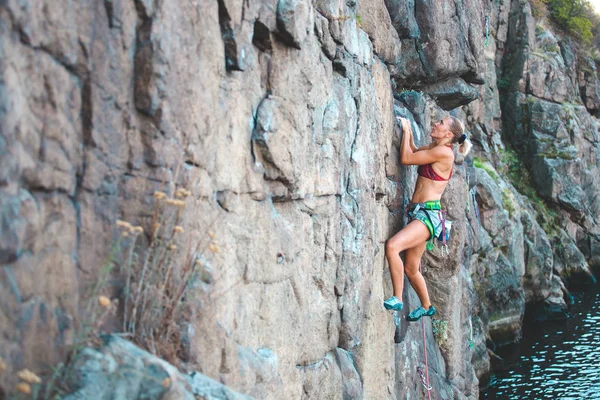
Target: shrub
[
  {"x": 359, "y": 21},
  {"x": 538, "y": 9},
  {"x": 440, "y": 331},
  {"x": 508, "y": 202},
  {"x": 574, "y": 17}
]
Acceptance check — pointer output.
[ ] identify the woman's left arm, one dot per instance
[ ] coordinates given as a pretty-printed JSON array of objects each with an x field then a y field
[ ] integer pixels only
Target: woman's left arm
[{"x": 422, "y": 156}]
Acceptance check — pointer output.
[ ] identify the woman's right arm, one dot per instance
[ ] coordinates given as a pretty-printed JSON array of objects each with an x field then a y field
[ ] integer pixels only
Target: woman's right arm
[
  {"x": 405, "y": 129},
  {"x": 412, "y": 143},
  {"x": 407, "y": 147},
  {"x": 413, "y": 147},
  {"x": 428, "y": 155}
]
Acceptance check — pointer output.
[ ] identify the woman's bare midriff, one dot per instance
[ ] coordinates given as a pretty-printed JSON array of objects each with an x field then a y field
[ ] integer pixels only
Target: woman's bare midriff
[{"x": 427, "y": 190}]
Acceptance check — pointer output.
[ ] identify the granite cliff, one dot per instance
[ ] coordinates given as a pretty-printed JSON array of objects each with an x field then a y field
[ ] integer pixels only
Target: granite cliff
[{"x": 279, "y": 117}]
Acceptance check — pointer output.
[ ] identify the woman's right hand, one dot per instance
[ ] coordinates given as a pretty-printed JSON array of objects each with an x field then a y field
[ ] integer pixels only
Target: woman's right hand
[
  {"x": 405, "y": 125},
  {"x": 407, "y": 132}
]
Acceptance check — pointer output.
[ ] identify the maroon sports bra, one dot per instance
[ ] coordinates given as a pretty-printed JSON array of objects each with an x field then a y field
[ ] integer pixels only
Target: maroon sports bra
[{"x": 427, "y": 171}]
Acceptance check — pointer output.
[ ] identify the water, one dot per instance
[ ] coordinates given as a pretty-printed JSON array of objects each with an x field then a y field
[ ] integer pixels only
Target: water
[{"x": 555, "y": 359}]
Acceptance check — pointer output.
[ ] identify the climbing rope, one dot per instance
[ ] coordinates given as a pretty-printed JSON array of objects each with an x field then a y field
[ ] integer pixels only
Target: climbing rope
[{"x": 424, "y": 379}]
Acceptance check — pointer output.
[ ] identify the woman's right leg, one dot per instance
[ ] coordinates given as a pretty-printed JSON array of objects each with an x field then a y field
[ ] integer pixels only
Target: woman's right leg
[
  {"x": 412, "y": 235},
  {"x": 412, "y": 258}
]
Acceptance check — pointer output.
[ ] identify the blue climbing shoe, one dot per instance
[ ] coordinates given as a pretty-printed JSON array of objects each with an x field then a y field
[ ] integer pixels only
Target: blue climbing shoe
[
  {"x": 393, "y": 304},
  {"x": 420, "y": 312}
]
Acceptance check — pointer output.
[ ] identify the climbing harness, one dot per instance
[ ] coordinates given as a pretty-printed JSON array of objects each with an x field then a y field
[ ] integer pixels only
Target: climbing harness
[
  {"x": 424, "y": 377},
  {"x": 487, "y": 29},
  {"x": 446, "y": 225},
  {"x": 430, "y": 245}
]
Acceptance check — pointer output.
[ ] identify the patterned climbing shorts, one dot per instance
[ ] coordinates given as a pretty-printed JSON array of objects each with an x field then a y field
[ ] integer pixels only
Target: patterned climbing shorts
[{"x": 428, "y": 213}]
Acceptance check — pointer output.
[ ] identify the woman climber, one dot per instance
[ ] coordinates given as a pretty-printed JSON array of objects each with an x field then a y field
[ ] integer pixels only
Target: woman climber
[{"x": 435, "y": 163}]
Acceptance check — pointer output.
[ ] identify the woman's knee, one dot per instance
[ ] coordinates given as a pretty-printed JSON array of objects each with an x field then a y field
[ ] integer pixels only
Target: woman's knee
[
  {"x": 392, "y": 247},
  {"x": 411, "y": 271}
]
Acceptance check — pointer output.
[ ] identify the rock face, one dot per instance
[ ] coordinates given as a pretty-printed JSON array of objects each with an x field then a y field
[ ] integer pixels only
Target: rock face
[{"x": 279, "y": 117}]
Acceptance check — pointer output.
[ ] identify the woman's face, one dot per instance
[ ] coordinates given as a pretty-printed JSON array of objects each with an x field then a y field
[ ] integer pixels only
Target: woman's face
[{"x": 441, "y": 128}]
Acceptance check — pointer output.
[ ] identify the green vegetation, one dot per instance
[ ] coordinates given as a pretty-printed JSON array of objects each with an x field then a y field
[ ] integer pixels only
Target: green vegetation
[
  {"x": 518, "y": 175},
  {"x": 595, "y": 55},
  {"x": 567, "y": 107},
  {"x": 440, "y": 331},
  {"x": 576, "y": 17},
  {"x": 538, "y": 9},
  {"x": 539, "y": 29},
  {"x": 553, "y": 152},
  {"x": 487, "y": 167},
  {"x": 410, "y": 91},
  {"x": 503, "y": 83},
  {"x": 543, "y": 56},
  {"x": 508, "y": 202}
]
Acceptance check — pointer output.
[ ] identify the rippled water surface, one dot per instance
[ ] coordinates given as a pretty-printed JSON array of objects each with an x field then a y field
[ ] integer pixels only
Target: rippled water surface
[{"x": 555, "y": 359}]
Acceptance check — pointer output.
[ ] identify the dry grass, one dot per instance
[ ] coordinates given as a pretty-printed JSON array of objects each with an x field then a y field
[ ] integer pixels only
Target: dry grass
[
  {"x": 155, "y": 267},
  {"x": 156, "y": 282},
  {"x": 158, "y": 275}
]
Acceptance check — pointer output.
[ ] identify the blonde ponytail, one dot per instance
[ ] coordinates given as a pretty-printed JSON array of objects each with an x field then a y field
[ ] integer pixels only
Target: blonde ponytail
[
  {"x": 465, "y": 146},
  {"x": 458, "y": 130}
]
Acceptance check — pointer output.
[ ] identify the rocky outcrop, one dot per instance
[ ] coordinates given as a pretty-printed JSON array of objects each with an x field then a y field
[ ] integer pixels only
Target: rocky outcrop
[
  {"x": 499, "y": 267},
  {"x": 558, "y": 139},
  {"x": 442, "y": 40},
  {"x": 442, "y": 49},
  {"x": 589, "y": 85},
  {"x": 534, "y": 210},
  {"x": 119, "y": 369}
]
